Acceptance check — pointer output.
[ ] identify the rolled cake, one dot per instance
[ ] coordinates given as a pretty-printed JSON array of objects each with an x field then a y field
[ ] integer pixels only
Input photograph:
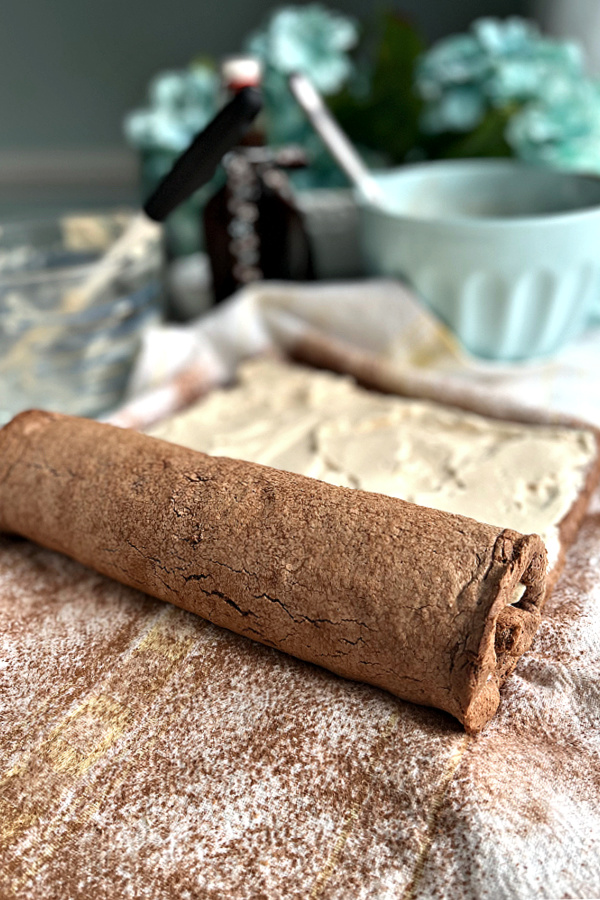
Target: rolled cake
[{"x": 432, "y": 606}]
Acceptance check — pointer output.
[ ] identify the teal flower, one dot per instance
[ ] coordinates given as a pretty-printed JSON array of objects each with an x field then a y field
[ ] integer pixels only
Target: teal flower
[
  {"x": 504, "y": 38},
  {"x": 497, "y": 65},
  {"x": 156, "y": 129},
  {"x": 456, "y": 61},
  {"x": 548, "y": 67},
  {"x": 193, "y": 88},
  {"x": 309, "y": 39},
  {"x": 181, "y": 104},
  {"x": 460, "y": 109},
  {"x": 316, "y": 41},
  {"x": 561, "y": 130}
]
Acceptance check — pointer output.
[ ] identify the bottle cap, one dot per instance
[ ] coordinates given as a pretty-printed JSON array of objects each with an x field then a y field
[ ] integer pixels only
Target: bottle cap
[{"x": 239, "y": 72}]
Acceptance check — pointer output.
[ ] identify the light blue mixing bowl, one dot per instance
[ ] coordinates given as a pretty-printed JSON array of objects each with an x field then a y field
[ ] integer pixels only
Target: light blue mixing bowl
[{"x": 508, "y": 255}]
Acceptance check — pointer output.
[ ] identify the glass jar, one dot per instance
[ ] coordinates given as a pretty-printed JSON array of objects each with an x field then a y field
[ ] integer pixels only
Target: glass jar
[{"x": 60, "y": 352}]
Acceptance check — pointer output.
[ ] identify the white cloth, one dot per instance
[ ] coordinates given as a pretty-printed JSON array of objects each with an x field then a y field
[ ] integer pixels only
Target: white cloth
[{"x": 379, "y": 316}]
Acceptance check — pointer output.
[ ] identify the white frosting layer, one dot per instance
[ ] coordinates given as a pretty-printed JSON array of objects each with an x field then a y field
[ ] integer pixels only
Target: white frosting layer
[{"x": 323, "y": 425}]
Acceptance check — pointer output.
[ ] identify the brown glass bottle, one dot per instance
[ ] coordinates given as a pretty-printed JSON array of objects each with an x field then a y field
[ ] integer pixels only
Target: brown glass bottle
[{"x": 252, "y": 227}]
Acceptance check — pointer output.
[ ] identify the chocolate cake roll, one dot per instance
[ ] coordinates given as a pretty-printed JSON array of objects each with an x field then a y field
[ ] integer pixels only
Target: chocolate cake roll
[{"x": 434, "y": 607}]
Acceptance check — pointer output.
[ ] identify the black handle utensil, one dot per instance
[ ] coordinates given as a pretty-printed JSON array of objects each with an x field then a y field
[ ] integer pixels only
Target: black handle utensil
[{"x": 196, "y": 166}]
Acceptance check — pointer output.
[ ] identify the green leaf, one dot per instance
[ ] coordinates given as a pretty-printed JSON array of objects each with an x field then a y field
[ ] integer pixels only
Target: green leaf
[
  {"x": 386, "y": 118},
  {"x": 485, "y": 140}
]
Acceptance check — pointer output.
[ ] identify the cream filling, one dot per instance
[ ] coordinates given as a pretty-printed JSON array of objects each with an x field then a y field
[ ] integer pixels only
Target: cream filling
[
  {"x": 322, "y": 425},
  {"x": 517, "y": 594}
]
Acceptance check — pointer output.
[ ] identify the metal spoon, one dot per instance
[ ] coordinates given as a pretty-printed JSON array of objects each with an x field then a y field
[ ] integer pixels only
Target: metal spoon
[{"x": 336, "y": 141}]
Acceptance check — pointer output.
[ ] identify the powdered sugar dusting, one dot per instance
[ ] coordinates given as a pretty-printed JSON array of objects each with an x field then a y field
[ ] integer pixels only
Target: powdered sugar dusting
[{"x": 523, "y": 815}]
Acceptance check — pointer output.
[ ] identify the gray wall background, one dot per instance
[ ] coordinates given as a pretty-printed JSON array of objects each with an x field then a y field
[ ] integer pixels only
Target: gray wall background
[{"x": 71, "y": 69}]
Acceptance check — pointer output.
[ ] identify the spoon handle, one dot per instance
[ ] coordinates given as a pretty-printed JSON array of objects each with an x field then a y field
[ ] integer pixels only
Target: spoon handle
[{"x": 336, "y": 141}]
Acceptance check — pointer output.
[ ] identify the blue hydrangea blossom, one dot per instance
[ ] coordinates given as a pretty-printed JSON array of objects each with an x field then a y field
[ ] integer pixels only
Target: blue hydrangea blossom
[
  {"x": 181, "y": 104},
  {"x": 552, "y": 107},
  {"x": 317, "y": 42},
  {"x": 309, "y": 39}
]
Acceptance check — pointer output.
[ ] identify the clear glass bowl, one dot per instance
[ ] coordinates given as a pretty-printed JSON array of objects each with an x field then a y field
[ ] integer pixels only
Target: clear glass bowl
[{"x": 55, "y": 352}]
